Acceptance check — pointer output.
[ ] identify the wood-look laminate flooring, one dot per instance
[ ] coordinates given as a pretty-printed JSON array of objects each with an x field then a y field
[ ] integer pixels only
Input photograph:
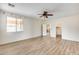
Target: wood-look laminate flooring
[{"x": 41, "y": 46}]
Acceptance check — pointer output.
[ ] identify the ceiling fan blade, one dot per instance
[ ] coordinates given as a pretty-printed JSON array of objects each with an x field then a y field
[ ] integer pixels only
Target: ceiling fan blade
[
  {"x": 49, "y": 14},
  {"x": 46, "y": 16},
  {"x": 39, "y": 14}
]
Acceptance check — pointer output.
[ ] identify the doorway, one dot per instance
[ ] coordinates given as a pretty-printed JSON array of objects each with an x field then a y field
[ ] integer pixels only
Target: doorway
[{"x": 45, "y": 29}]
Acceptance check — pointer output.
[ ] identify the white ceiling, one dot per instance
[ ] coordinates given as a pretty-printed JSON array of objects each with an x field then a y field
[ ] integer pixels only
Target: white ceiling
[{"x": 32, "y": 9}]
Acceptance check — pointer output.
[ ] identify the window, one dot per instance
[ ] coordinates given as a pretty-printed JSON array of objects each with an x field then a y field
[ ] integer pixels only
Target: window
[
  {"x": 19, "y": 25},
  {"x": 14, "y": 24}
]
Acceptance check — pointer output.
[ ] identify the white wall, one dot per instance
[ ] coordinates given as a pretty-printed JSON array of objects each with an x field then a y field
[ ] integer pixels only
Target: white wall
[
  {"x": 31, "y": 29},
  {"x": 70, "y": 27},
  {"x": 0, "y": 22}
]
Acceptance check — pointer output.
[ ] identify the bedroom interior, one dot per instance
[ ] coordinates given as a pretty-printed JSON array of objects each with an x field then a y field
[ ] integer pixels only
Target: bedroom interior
[{"x": 39, "y": 28}]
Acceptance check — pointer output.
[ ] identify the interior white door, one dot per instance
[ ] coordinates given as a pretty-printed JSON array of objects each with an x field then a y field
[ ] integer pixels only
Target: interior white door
[{"x": 44, "y": 32}]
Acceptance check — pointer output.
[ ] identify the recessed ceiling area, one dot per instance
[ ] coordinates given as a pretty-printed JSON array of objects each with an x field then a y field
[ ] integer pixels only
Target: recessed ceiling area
[{"x": 32, "y": 9}]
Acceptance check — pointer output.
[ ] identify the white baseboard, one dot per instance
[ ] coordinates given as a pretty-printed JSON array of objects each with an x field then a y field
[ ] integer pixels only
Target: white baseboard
[{"x": 23, "y": 38}]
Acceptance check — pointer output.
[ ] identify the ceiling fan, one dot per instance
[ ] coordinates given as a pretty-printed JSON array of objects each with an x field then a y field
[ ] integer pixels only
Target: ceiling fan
[{"x": 45, "y": 14}]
